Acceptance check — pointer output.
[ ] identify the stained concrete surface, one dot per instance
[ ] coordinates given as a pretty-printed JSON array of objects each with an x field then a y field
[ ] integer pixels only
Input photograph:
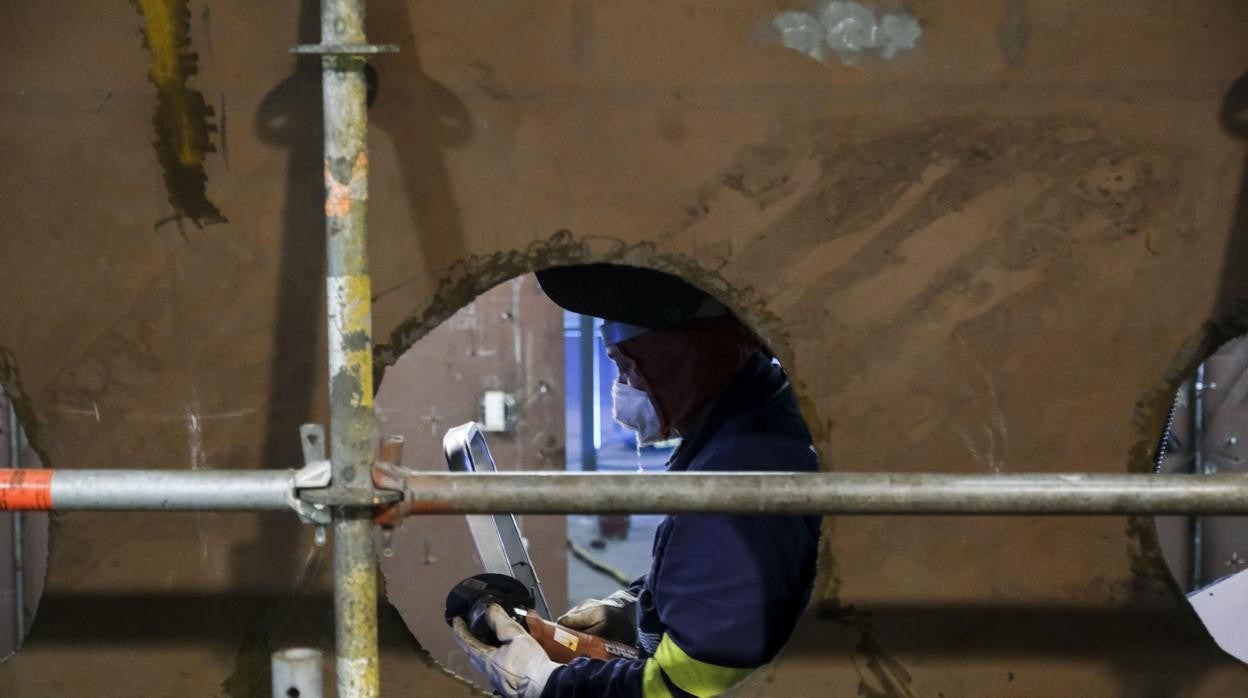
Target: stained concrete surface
[{"x": 977, "y": 257}]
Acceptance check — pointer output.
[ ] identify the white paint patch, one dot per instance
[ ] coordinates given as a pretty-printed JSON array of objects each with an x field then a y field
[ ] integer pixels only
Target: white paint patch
[
  {"x": 195, "y": 436},
  {"x": 897, "y": 32},
  {"x": 802, "y": 32},
  {"x": 848, "y": 29},
  {"x": 199, "y": 461},
  {"x": 336, "y": 295}
]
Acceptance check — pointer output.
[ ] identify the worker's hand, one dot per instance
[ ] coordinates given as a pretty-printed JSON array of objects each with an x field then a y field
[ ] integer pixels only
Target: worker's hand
[
  {"x": 613, "y": 618},
  {"x": 388, "y": 476},
  {"x": 518, "y": 667}
]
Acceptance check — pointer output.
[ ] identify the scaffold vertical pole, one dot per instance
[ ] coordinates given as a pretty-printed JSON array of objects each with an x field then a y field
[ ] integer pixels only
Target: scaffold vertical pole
[{"x": 350, "y": 344}]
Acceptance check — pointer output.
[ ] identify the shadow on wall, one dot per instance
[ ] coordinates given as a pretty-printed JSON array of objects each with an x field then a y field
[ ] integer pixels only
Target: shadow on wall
[
  {"x": 289, "y": 117},
  {"x": 991, "y": 630},
  {"x": 424, "y": 119},
  {"x": 1230, "y": 314}
]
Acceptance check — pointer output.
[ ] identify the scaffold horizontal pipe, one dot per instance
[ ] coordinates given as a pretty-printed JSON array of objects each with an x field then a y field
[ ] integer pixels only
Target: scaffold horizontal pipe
[
  {"x": 146, "y": 490},
  {"x": 590, "y": 493},
  {"x": 828, "y": 493}
]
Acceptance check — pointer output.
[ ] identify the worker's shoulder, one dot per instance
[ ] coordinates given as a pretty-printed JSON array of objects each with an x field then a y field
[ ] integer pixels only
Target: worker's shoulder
[{"x": 744, "y": 446}]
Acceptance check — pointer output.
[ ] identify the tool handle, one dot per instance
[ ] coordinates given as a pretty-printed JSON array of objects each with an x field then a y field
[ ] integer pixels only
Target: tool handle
[{"x": 565, "y": 644}]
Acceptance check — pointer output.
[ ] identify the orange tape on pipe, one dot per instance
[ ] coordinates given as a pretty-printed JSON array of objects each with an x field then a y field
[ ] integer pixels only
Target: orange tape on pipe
[{"x": 25, "y": 490}]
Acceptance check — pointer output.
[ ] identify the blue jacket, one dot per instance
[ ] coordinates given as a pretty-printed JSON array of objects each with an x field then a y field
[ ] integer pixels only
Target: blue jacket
[{"x": 724, "y": 592}]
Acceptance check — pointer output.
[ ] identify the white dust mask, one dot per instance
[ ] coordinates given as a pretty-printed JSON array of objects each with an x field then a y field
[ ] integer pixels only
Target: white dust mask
[{"x": 633, "y": 409}]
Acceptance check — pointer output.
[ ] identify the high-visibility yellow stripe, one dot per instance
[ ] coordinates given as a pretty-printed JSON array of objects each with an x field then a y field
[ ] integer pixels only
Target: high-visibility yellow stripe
[
  {"x": 652, "y": 683},
  {"x": 688, "y": 674}
]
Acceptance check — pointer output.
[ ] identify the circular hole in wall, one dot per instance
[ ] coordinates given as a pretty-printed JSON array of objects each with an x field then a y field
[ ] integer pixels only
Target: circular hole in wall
[
  {"x": 23, "y": 542},
  {"x": 1206, "y": 433},
  {"x": 539, "y": 380}
]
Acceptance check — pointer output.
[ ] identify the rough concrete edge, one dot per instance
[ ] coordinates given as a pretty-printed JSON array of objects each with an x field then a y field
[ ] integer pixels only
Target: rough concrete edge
[
  {"x": 1147, "y": 564},
  {"x": 11, "y": 381},
  {"x": 467, "y": 279},
  {"x": 463, "y": 281}
]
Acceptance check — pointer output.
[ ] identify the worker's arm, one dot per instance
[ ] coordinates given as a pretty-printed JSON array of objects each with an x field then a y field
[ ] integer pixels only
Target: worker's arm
[
  {"x": 642, "y": 678},
  {"x": 726, "y": 592}
]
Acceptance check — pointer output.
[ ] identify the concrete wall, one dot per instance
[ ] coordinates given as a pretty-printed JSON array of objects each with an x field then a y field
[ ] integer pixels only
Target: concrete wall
[{"x": 994, "y": 252}]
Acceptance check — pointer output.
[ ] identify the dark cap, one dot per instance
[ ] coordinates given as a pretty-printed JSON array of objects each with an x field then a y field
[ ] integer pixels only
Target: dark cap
[{"x": 630, "y": 295}]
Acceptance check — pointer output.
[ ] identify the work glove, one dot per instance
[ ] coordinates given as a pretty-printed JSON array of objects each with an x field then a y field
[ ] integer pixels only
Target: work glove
[
  {"x": 518, "y": 667},
  {"x": 613, "y": 618}
]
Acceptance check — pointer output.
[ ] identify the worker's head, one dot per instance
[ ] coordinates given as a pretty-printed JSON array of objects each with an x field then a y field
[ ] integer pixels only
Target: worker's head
[
  {"x": 675, "y": 346},
  {"x": 668, "y": 377}
]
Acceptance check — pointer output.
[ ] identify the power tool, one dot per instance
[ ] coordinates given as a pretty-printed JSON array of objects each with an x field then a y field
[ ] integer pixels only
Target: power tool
[
  {"x": 510, "y": 579},
  {"x": 471, "y": 597}
]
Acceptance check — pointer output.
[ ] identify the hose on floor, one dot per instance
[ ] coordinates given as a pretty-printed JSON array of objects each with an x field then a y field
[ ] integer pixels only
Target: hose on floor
[{"x": 597, "y": 565}]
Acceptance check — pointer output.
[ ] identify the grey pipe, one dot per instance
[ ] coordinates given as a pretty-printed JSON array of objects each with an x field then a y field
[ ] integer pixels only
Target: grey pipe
[
  {"x": 172, "y": 490},
  {"x": 349, "y": 306},
  {"x": 742, "y": 492},
  {"x": 829, "y": 493}
]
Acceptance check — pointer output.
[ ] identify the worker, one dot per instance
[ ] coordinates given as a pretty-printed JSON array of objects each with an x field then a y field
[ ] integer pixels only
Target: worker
[{"x": 724, "y": 592}]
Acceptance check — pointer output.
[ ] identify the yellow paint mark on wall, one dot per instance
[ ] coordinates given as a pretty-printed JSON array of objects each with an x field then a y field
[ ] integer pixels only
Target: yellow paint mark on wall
[
  {"x": 163, "y": 38},
  {"x": 165, "y": 28},
  {"x": 181, "y": 120}
]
